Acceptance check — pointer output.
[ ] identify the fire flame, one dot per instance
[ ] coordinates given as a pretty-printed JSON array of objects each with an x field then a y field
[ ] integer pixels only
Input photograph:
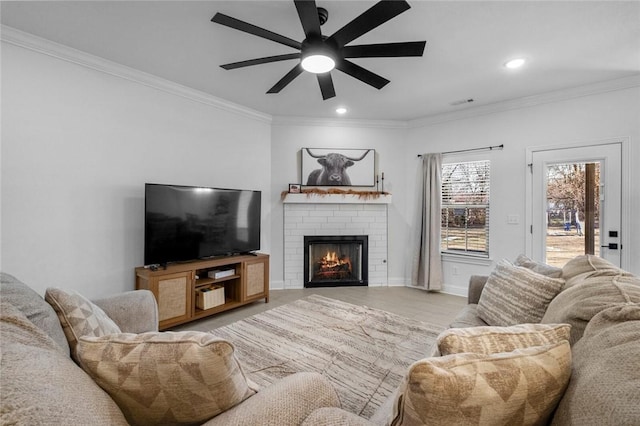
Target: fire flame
[{"x": 331, "y": 260}]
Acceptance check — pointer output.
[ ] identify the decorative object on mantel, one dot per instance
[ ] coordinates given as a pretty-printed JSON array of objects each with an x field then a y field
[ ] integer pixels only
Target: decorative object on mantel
[
  {"x": 333, "y": 191},
  {"x": 294, "y": 188},
  {"x": 328, "y": 167}
]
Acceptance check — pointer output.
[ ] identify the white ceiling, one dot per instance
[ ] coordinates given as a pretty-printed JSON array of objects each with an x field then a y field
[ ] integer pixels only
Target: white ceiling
[{"x": 567, "y": 44}]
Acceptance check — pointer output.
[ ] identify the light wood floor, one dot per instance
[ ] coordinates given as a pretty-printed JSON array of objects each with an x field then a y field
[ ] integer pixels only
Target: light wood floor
[{"x": 436, "y": 308}]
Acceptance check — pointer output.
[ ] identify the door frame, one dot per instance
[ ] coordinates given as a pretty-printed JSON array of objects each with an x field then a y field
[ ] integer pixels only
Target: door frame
[{"x": 625, "y": 208}]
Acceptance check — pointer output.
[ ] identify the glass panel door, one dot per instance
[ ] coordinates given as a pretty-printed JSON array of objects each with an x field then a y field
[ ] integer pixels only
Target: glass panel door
[
  {"x": 577, "y": 203},
  {"x": 573, "y": 211}
]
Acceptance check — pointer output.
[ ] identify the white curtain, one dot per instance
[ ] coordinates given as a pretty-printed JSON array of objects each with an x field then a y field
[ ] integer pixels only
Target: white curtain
[{"x": 427, "y": 261}]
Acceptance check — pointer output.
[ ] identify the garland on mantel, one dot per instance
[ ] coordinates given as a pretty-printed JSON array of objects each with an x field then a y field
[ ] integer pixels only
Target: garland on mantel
[{"x": 322, "y": 192}]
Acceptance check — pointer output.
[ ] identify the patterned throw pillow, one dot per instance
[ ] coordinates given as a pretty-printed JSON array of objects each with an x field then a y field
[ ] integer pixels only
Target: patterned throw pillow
[
  {"x": 79, "y": 316},
  {"x": 516, "y": 295},
  {"x": 165, "y": 377},
  {"x": 521, "y": 387},
  {"x": 540, "y": 268},
  {"x": 490, "y": 340}
]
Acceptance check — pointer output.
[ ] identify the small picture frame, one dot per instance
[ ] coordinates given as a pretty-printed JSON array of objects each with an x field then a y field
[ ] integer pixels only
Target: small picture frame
[{"x": 295, "y": 188}]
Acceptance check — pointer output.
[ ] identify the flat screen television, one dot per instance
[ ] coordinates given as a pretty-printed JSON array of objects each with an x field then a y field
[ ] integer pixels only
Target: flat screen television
[{"x": 187, "y": 222}]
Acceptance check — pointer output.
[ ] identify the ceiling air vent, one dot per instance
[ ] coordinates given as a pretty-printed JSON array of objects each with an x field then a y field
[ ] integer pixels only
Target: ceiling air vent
[{"x": 461, "y": 102}]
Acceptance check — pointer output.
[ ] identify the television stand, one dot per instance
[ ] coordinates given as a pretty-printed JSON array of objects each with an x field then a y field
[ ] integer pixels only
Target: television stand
[{"x": 188, "y": 291}]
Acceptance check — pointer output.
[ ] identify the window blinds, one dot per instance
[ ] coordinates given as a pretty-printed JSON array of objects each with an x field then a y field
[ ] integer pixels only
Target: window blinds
[{"x": 465, "y": 207}]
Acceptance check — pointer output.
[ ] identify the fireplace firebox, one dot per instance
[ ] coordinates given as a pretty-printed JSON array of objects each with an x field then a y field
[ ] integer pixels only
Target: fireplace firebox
[{"x": 333, "y": 261}]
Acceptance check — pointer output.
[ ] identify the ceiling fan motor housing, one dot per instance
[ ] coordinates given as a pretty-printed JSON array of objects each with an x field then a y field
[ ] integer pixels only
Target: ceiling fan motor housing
[{"x": 317, "y": 56}]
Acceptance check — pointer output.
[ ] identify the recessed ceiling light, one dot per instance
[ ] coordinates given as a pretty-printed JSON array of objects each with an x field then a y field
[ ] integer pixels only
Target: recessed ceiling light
[
  {"x": 515, "y": 63},
  {"x": 341, "y": 110}
]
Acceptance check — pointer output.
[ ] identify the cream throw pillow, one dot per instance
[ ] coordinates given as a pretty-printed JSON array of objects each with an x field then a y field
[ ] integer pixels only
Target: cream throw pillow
[
  {"x": 79, "y": 316},
  {"x": 490, "y": 340},
  {"x": 521, "y": 387},
  {"x": 165, "y": 377},
  {"x": 540, "y": 268},
  {"x": 516, "y": 295},
  {"x": 589, "y": 264},
  {"x": 604, "y": 387}
]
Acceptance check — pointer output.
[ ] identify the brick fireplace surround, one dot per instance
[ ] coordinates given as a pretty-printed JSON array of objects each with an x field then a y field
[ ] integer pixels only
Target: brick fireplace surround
[{"x": 334, "y": 214}]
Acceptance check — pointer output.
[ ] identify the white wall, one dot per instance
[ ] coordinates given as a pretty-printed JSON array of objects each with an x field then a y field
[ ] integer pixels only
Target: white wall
[
  {"x": 78, "y": 146},
  {"x": 603, "y": 116},
  {"x": 288, "y": 137}
]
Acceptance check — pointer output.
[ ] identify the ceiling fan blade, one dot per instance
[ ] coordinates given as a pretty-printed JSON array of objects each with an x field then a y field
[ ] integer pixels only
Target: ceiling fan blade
[
  {"x": 388, "y": 50},
  {"x": 259, "y": 61},
  {"x": 239, "y": 25},
  {"x": 362, "y": 74},
  {"x": 377, "y": 15},
  {"x": 288, "y": 78},
  {"x": 326, "y": 86},
  {"x": 308, "y": 14}
]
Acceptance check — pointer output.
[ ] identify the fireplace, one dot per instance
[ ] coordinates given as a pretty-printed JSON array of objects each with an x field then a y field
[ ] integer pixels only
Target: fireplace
[{"x": 333, "y": 261}]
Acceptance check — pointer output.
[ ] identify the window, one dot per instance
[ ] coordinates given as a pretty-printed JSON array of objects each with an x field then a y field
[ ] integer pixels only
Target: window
[{"x": 465, "y": 208}]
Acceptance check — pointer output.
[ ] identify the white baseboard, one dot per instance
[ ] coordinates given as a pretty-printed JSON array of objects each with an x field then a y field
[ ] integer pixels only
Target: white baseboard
[
  {"x": 397, "y": 282},
  {"x": 455, "y": 290},
  {"x": 276, "y": 285}
]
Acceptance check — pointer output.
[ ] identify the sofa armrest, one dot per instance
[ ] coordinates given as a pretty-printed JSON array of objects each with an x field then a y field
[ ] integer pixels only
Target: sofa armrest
[
  {"x": 476, "y": 284},
  {"x": 332, "y": 416},
  {"x": 133, "y": 311},
  {"x": 286, "y": 402}
]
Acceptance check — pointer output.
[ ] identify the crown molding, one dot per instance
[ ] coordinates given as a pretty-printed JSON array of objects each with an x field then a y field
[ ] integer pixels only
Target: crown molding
[
  {"x": 280, "y": 120},
  {"x": 29, "y": 41},
  {"x": 59, "y": 51},
  {"x": 530, "y": 101}
]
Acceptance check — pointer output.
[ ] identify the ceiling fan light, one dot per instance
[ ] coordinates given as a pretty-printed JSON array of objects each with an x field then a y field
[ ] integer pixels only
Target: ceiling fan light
[{"x": 318, "y": 63}]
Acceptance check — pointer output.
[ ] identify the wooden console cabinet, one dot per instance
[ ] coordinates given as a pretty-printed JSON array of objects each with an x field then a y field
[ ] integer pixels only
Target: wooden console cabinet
[{"x": 176, "y": 288}]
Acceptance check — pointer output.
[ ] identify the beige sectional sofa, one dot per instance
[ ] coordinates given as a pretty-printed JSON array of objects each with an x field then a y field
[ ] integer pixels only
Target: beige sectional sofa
[
  {"x": 602, "y": 304},
  {"x": 535, "y": 345}
]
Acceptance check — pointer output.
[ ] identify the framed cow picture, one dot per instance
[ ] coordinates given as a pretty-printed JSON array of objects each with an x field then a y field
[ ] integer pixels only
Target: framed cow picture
[{"x": 338, "y": 167}]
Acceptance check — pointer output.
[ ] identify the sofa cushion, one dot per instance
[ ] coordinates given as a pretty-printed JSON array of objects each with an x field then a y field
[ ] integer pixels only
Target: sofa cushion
[
  {"x": 41, "y": 385},
  {"x": 579, "y": 303},
  {"x": 468, "y": 317},
  {"x": 79, "y": 316},
  {"x": 604, "y": 385},
  {"x": 588, "y": 265},
  {"x": 165, "y": 377},
  {"x": 333, "y": 416},
  {"x": 489, "y": 340},
  {"x": 287, "y": 401},
  {"x": 34, "y": 307},
  {"x": 538, "y": 267},
  {"x": 516, "y": 295},
  {"x": 521, "y": 387}
]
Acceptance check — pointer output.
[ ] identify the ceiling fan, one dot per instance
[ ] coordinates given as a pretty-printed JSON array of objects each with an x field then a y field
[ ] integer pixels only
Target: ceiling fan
[{"x": 320, "y": 54}]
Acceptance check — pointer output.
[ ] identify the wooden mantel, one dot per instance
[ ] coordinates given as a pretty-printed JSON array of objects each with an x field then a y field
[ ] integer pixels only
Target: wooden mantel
[{"x": 312, "y": 198}]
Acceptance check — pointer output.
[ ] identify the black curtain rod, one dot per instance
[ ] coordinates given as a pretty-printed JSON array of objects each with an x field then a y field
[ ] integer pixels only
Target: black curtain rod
[{"x": 489, "y": 148}]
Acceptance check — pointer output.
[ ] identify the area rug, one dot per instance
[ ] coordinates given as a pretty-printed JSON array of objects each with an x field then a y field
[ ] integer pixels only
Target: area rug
[{"x": 364, "y": 352}]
